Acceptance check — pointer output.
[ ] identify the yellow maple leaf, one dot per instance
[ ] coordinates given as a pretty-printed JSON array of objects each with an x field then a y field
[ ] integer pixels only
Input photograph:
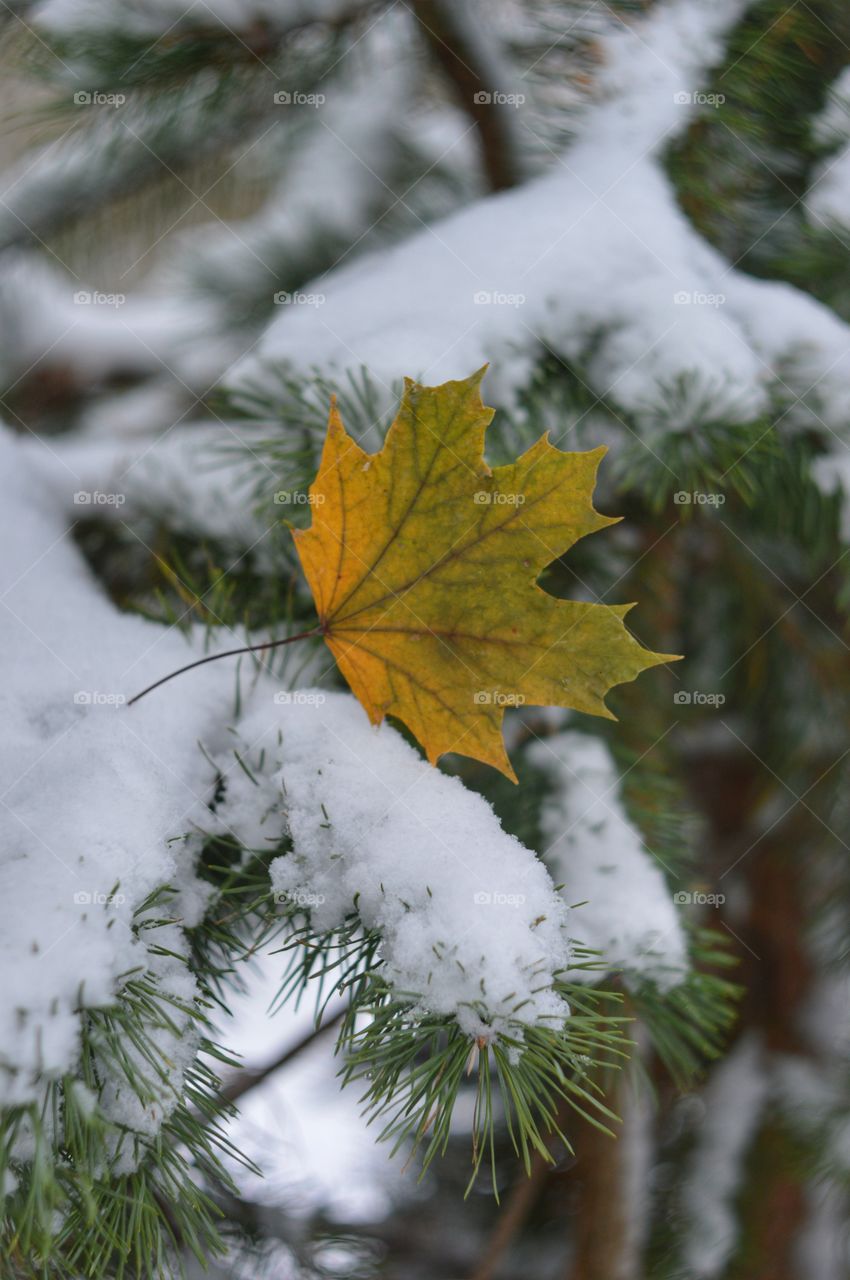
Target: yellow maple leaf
[{"x": 423, "y": 563}]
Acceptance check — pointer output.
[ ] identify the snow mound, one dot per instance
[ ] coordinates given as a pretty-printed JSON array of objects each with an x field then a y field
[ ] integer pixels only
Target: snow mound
[
  {"x": 471, "y": 924},
  {"x": 159, "y": 17},
  {"x": 92, "y": 792},
  {"x": 594, "y": 261},
  {"x": 598, "y": 856}
]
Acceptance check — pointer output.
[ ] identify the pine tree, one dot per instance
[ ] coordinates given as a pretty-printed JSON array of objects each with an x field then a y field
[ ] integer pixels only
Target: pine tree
[{"x": 215, "y": 219}]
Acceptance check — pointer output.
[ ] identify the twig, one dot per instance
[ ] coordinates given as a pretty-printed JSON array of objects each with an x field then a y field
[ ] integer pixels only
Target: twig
[
  {"x": 249, "y": 1079},
  {"x": 474, "y": 67},
  {"x": 518, "y": 1206}
]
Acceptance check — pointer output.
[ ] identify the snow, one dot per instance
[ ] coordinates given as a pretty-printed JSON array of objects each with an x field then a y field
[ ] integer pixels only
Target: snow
[
  {"x": 827, "y": 197},
  {"x": 197, "y": 478},
  {"x": 194, "y": 314},
  {"x": 832, "y": 126},
  {"x": 91, "y": 793},
  {"x": 598, "y": 857},
  {"x": 734, "y": 1099},
  {"x": 156, "y": 17},
  {"x": 593, "y": 260},
  {"x": 594, "y": 253},
  {"x": 45, "y": 314},
  {"x": 333, "y": 183},
  {"x": 470, "y": 922},
  {"x": 827, "y": 205},
  {"x": 831, "y": 472},
  {"x": 637, "y": 1109},
  {"x": 54, "y": 325},
  {"x": 822, "y": 1251},
  {"x": 511, "y": 276},
  {"x": 826, "y": 201},
  {"x": 304, "y": 1132}
]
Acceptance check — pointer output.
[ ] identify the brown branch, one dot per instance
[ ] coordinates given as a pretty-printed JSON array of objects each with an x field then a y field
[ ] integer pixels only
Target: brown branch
[
  {"x": 248, "y": 1079},
  {"x": 604, "y": 1245},
  {"x": 479, "y": 82},
  {"x": 513, "y": 1217}
]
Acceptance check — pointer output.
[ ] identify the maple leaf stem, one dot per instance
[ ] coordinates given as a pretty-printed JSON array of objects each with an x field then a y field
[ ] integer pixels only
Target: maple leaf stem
[{"x": 228, "y": 653}]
